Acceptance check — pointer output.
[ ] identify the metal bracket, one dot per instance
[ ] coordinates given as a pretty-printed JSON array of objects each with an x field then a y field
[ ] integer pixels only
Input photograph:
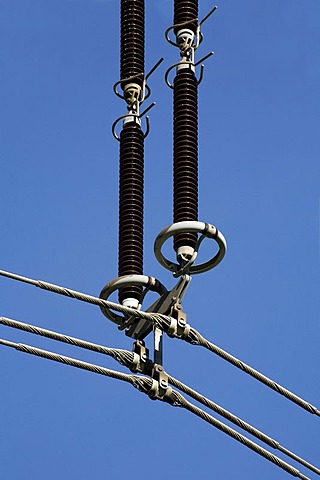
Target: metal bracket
[
  {"x": 160, "y": 388},
  {"x": 144, "y": 364}
]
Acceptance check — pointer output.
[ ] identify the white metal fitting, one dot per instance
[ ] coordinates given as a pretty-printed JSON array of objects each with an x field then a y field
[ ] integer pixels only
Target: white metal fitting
[
  {"x": 130, "y": 118},
  {"x": 185, "y": 38},
  {"x": 130, "y": 302},
  {"x": 132, "y": 93},
  {"x": 185, "y": 253}
]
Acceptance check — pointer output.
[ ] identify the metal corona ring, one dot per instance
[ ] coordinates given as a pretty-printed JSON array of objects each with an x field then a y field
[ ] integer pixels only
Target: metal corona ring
[
  {"x": 206, "y": 230},
  {"x": 150, "y": 284}
]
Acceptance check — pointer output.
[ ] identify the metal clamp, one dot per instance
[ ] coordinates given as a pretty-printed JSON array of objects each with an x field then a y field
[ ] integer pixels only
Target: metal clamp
[
  {"x": 143, "y": 363},
  {"x": 206, "y": 230},
  {"x": 160, "y": 387},
  {"x": 179, "y": 327},
  {"x": 150, "y": 284}
]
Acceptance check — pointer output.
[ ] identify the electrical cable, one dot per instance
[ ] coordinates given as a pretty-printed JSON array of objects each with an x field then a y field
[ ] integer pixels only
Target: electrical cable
[
  {"x": 125, "y": 357},
  {"x": 161, "y": 321},
  {"x": 145, "y": 385},
  {"x": 195, "y": 338},
  {"x": 239, "y": 422},
  {"x": 164, "y": 322},
  {"x": 179, "y": 401}
]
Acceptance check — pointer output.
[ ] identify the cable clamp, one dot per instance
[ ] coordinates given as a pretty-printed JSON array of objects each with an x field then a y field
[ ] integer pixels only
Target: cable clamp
[
  {"x": 160, "y": 385},
  {"x": 141, "y": 362},
  {"x": 179, "y": 328}
]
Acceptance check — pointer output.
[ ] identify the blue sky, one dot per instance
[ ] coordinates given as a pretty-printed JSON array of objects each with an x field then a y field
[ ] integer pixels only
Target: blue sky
[{"x": 259, "y": 184}]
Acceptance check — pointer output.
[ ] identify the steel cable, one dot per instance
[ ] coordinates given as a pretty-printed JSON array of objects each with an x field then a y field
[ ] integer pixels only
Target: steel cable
[
  {"x": 196, "y": 338},
  {"x": 145, "y": 385},
  {"x": 162, "y": 321},
  {"x": 125, "y": 357},
  {"x": 239, "y": 422},
  {"x": 179, "y": 401}
]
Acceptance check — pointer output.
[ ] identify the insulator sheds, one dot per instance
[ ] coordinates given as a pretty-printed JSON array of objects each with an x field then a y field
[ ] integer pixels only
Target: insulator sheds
[
  {"x": 132, "y": 40},
  {"x": 185, "y": 153},
  {"x": 186, "y": 11},
  {"x": 131, "y": 206}
]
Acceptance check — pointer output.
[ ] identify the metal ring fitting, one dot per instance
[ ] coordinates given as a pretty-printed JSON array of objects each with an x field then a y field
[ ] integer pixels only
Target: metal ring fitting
[
  {"x": 207, "y": 230},
  {"x": 150, "y": 283}
]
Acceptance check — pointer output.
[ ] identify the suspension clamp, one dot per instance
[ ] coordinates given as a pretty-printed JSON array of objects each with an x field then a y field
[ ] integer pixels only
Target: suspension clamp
[
  {"x": 142, "y": 363},
  {"x": 160, "y": 385},
  {"x": 179, "y": 328}
]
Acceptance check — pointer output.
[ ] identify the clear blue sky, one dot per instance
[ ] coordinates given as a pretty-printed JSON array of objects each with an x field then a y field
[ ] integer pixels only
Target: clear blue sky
[{"x": 259, "y": 184}]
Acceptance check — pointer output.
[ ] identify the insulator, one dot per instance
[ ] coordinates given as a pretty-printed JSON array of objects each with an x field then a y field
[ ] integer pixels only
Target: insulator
[
  {"x": 131, "y": 207},
  {"x": 132, "y": 40},
  {"x": 185, "y": 153},
  {"x": 185, "y": 11}
]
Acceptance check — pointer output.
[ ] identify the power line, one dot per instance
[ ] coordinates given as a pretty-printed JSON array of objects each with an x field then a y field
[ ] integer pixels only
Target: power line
[
  {"x": 182, "y": 402},
  {"x": 145, "y": 385},
  {"x": 161, "y": 320},
  {"x": 239, "y": 422},
  {"x": 124, "y": 357},
  {"x": 196, "y": 338},
  {"x": 164, "y": 322},
  {"x": 127, "y": 358}
]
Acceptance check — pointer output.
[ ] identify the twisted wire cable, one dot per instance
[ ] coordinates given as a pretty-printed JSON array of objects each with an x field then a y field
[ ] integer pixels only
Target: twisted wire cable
[
  {"x": 125, "y": 357},
  {"x": 145, "y": 385},
  {"x": 164, "y": 323},
  {"x": 161, "y": 321},
  {"x": 196, "y": 338},
  {"x": 179, "y": 401},
  {"x": 239, "y": 422}
]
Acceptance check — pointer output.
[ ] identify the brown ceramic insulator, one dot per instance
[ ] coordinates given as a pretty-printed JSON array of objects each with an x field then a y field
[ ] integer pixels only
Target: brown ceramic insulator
[
  {"x": 185, "y": 11},
  {"x": 185, "y": 153},
  {"x": 131, "y": 207},
  {"x": 132, "y": 40}
]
